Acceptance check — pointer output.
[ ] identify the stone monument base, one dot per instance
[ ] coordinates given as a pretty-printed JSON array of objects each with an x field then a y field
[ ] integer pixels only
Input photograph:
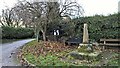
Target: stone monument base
[
  {"x": 85, "y": 56},
  {"x": 82, "y": 44},
  {"x": 85, "y": 51},
  {"x": 85, "y": 48}
]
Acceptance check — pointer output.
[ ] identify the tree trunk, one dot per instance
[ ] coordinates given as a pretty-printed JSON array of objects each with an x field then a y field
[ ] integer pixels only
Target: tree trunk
[
  {"x": 44, "y": 33},
  {"x": 17, "y": 24},
  {"x": 44, "y": 36},
  {"x": 37, "y": 36},
  {"x": 2, "y": 23},
  {"x": 26, "y": 26}
]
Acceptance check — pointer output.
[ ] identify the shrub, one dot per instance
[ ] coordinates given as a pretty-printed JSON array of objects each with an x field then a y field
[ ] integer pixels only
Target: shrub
[{"x": 16, "y": 33}]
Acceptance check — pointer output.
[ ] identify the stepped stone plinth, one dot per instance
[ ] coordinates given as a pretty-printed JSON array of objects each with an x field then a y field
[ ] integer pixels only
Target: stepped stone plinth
[
  {"x": 85, "y": 38},
  {"x": 85, "y": 49}
]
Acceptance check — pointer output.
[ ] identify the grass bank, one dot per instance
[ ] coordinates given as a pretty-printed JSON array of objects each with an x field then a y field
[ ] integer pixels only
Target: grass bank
[
  {"x": 46, "y": 53},
  {"x": 54, "y": 54}
]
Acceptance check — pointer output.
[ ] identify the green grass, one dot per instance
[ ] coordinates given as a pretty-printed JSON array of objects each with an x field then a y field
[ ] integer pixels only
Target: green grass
[
  {"x": 114, "y": 61},
  {"x": 48, "y": 60},
  {"x": 30, "y": 58}
]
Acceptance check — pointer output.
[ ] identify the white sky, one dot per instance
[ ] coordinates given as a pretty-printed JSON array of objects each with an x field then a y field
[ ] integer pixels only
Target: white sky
[
  {"x": 91, "y": 7},
  {"x": 104, "y": 7}
]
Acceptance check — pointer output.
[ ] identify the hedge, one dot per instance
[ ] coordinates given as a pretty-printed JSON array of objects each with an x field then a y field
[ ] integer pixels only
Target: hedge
[
  {"x": 99, "y": 26},
  {"x": 16, "y": 33}
]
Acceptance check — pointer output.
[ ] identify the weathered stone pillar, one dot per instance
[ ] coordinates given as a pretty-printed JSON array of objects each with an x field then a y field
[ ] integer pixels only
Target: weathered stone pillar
[{"x": 85, "y": 34}]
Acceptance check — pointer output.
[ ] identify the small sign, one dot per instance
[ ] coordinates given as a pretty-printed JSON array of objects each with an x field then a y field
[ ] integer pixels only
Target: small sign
[{"x": 56, "y": 32}]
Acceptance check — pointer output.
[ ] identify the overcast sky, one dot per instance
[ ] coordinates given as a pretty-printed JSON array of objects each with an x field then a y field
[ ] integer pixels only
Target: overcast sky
[{"x": 91, "y": 7}]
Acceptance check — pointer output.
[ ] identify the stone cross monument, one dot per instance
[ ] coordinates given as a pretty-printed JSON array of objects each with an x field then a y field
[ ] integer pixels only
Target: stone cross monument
[{"x": 85, "y": 48}]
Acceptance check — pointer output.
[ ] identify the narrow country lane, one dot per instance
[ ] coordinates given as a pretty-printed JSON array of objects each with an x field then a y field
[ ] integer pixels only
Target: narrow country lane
[{"x": 8, "y": 52}]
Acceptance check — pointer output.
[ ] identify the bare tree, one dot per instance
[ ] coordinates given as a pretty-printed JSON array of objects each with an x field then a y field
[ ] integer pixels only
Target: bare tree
[
  {"x": 21, "y": 15},
  {"x": 70, "y": 8},
  {"x": 6, "y": 17},
  {"x": 9, "y": 18},
  {"x": 40, "y": 14}
]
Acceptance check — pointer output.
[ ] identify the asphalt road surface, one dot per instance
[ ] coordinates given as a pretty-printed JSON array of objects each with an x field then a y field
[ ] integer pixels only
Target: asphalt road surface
[{"x": 8, "y": 52}]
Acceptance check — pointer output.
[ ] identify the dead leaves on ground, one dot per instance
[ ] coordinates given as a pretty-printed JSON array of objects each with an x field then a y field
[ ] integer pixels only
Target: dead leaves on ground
[{"x": 43, "y": 48}]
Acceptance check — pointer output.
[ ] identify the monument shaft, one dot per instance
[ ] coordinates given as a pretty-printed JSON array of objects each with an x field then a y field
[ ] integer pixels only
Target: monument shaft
[{"x": 85, "y": 34}]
